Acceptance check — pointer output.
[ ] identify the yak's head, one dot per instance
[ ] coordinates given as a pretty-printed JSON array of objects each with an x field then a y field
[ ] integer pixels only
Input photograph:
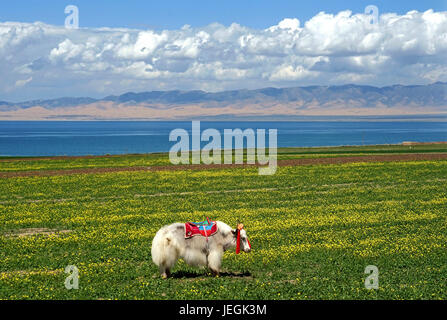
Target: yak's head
[{"x": 241, "y": 238}]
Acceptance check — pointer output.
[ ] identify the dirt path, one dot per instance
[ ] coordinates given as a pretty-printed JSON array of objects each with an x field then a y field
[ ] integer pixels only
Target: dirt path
[{"x": 281, "y": 163}]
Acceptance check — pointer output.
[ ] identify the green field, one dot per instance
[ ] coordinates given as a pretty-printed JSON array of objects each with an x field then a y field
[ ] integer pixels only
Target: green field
[{"x": 313, "y": 229}]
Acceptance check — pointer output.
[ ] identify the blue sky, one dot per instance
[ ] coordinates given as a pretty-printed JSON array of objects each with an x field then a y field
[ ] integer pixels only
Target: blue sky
[
  {"x": 147, "y": 45},
  {"x": 169, "y": 14}
]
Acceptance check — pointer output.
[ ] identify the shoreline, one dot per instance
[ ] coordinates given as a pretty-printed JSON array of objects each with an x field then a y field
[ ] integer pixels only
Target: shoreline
[
  {"x": 160, "y": 153},
  {"x": 423, "y": 117}
]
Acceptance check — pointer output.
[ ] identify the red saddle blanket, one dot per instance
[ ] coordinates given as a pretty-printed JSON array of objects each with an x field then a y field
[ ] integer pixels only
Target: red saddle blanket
[{"x": 204, "y": 228}]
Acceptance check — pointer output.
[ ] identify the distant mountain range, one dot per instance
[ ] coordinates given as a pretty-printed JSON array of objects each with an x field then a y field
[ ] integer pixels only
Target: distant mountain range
[{"x": 344, "y": 100}]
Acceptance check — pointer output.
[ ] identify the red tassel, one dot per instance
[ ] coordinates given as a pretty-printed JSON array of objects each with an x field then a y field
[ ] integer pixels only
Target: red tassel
[
  {"x": 249, "y": 245},
  {"x": 238, "y": 241}
]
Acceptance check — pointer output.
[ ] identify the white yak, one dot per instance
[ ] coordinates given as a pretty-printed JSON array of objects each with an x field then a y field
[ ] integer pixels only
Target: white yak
[{"x": 170, "y": 244}]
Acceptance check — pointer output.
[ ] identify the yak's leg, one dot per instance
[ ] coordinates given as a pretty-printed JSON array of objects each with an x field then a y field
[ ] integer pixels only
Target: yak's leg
[
  {"x": 215, "y": 261},
  {"x": 165, "y": 272},
  {"x": 169, "y": 262}
]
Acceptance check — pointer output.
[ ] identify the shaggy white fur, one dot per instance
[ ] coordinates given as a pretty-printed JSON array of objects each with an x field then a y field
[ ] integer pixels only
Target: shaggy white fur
[{"x": 169, "y": 245}]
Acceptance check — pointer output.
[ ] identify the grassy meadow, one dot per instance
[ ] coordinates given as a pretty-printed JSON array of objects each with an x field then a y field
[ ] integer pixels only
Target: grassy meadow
[{"x": 313, "y": 229}]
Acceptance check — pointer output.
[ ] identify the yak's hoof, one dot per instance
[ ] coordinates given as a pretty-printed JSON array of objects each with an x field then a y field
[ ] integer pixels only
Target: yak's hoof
[{"x": 164, "y": 276}]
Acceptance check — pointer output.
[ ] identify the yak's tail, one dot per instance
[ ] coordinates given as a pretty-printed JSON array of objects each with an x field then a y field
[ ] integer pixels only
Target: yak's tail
[{"x": 164, "y": 252}]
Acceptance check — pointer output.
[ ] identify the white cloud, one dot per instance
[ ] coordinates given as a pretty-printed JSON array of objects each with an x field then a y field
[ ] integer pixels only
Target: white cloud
[
  {"x": 291, "y": 24},
  {"x": 289, "y": 72},
  {"x": 327, "y": 49},
  {"x": 21, "y": 83},
  {"x": 144, "y": 46}
]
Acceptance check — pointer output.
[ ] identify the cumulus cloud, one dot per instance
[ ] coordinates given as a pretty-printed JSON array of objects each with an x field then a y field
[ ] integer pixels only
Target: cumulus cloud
[{"x": 40, "y": 60}]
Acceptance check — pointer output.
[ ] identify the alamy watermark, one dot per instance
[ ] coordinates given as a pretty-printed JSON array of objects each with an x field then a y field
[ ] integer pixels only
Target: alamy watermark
[
  {"x": 211, "y": 153},
  {"x": 72, "y": 20},
  {"x": 372, "y": 281},
  {"x": 72, "y": 281},
  {"x": 373, "y": 12}
]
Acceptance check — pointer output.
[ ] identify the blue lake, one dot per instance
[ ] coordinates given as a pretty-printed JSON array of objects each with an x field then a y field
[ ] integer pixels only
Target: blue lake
[{"x": 49, "y": 138}]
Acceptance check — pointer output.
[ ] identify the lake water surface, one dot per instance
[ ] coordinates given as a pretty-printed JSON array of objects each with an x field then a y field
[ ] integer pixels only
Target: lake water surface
[{"x": 50, "y": 138}]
